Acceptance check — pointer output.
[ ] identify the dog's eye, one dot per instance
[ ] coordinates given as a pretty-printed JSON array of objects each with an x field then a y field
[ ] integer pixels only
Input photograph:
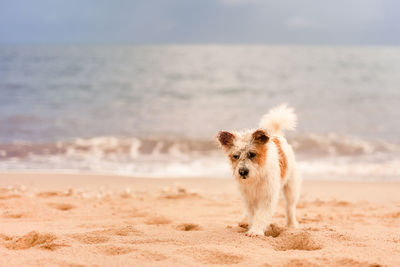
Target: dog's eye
[
  {"x": 251, "y": 155},
  {"x": 236, "y": 156}
]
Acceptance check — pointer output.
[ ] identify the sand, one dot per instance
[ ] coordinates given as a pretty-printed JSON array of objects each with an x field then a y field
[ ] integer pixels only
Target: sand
[{"x": 100, "y": 220}]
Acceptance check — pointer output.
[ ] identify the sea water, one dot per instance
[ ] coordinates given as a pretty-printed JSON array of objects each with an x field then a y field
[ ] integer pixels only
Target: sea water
[{"x": 154, "y": 111}]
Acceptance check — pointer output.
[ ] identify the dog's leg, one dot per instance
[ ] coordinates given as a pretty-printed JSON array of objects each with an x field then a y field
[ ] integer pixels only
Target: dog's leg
[
  {"x": 291, "y": 191},
  {"x": 264, "y": 211},
  {"x": 248, "y": 213},
  {"x": 244, "y": 220}
]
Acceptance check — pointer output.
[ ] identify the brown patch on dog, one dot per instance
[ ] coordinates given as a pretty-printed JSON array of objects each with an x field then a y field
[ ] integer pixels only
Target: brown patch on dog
[
  {"x": 261, "y": 156},
  {"x": 282, "y": 157},
  {"x": 226, "y": 139},
  {"x": 259, "y": 139}
]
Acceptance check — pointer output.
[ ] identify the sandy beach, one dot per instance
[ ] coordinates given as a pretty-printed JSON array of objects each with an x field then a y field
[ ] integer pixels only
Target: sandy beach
[{"x": 105, "y": 220}]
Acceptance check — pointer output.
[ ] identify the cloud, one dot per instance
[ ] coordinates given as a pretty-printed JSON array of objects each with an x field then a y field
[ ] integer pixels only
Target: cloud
[
  {"x": 204, "y": 21},
  {"x": 298, "y": 22}
]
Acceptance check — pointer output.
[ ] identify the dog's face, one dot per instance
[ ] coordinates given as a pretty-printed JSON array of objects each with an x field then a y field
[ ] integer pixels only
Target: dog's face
[{"x": 246, "y": 151}]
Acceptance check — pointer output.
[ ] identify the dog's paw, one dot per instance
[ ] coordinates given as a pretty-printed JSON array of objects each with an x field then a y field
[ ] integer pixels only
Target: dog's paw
[{"x": 253, "y": 233}]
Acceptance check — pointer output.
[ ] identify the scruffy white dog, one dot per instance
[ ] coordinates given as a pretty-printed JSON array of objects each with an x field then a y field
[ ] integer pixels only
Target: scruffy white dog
[{"x": 263, "y": 163}]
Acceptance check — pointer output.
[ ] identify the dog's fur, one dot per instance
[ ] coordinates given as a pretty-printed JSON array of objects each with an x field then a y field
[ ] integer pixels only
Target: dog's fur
[{"x": 270, "y": 165}]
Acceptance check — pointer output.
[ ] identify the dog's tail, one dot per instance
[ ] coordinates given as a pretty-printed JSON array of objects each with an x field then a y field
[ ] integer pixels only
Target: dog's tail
[{"x": 278, "y": 119}]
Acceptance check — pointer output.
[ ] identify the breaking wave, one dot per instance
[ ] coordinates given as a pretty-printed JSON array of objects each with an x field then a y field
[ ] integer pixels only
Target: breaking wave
[{"x": 329, "y": 156}]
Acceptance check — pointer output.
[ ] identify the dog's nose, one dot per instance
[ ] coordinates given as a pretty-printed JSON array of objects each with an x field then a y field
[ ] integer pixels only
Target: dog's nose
[{"x": 243, "y": 172}]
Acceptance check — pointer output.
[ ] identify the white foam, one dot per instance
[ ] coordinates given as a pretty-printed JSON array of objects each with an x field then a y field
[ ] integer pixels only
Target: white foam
[
  {"x": 320, "y": 157},
  {"x": 332, "y": 168}
]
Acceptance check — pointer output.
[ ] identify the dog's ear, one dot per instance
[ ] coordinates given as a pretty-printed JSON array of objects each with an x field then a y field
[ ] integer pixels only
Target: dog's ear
[
  {"x": 226, "y": 139},
  {"x": 260, "y": 137}
]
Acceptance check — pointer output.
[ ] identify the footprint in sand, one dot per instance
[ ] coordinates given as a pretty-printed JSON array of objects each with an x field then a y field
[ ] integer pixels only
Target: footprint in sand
[
  {"x": 177, "y": 192},
  {"x": 5, "y": 237},
  {"x": 64, "y": 263},
  {"x": 300, "y": 263},
  {"x": 90, "y": 238},
  {"x": 46, "y": 194},
  {"x": 392, "y": 215},
  {"x": 33, "y": 239},
  {"x": 352, "y": 262},
  {"x": 155, "y": 241},
  {"x": 274, "y": 230},
  {"x": 154, "y": 256},
  {"x": 13, "y": 215},
  {"x": 295, "y": 240},
  {"x": 318, "y": 202},
  {"x": 103, "y": 236},
  {"x": 62, "y": 206},
  {"x": 9, "y": 196},
  {"x": 132, "y": 212},
  {"x": 207, "y": 256},
  {"x": 120, "y": 231},
  {"x": 341, "y": 237},
  {"x": 11, "y": 192},
  {"x": 112, "y": 250},
  {"x": 188, "y": 227},
  {"x": 158, "y": 220},
  {"x": 340, "y": 203},
  {"x": 115, "y": 250},
  {"x": 305, "y": 219},
  {"x": 236, "y": 229}
]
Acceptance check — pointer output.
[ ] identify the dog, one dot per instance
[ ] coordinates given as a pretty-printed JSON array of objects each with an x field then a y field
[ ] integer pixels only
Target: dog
[{"x": 263, "y": 163}]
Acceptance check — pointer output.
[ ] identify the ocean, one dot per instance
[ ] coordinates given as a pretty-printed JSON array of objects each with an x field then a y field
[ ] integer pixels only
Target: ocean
[{"x": 154, "y": 111}]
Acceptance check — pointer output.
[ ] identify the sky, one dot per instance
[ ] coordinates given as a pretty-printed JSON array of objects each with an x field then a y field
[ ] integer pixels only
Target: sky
[{"x": 315, "y": 22}]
